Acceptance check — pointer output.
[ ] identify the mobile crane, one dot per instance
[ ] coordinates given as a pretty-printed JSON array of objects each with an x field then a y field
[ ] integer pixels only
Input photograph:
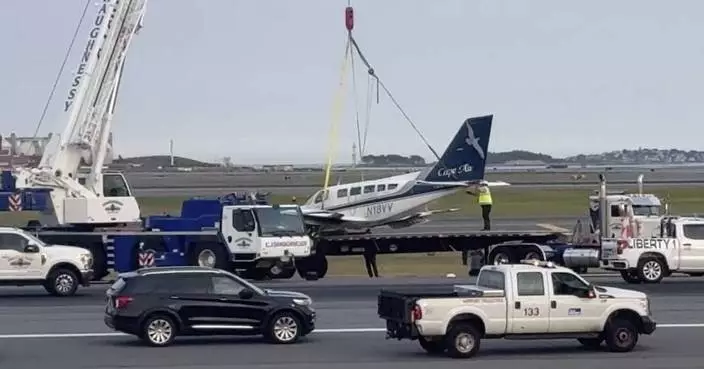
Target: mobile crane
[
  {"x": 97, "y": 211},
  {"x": 96, "y": 199}
]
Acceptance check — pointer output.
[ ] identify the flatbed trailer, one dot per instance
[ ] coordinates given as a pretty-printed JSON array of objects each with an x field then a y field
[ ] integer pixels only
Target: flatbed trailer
[{"x": 111, "y": 253}]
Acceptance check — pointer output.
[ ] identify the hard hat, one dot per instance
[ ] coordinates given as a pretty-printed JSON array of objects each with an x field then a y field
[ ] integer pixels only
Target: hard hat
[{"x": 483, "y": 183}]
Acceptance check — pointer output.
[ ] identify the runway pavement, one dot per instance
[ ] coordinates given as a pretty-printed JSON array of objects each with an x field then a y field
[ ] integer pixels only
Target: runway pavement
[
  {"x": 305, "y": 183},
  {"x": 41, "y": 331}
]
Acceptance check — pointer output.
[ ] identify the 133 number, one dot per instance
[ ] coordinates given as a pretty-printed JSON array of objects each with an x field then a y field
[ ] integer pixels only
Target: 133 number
[{"x": 531, "y": 312}]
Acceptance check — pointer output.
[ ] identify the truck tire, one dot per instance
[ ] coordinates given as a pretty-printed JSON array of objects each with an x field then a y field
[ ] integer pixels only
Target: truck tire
[
  {"x": 211, "y": 255},
  {"x": 621, "y": 335},
  {"x": 630, "y": 276},
  {"x": 651, "y": 270},
  {"x": 433, "y": 347},
  {"x": 462, "y": 341},
  {"x": 500, "y": 257},
  {"x": 61, "y": 282}
]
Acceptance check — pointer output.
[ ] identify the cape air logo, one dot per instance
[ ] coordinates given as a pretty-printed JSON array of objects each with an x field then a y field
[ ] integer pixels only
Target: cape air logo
[
  {"x": 112, "y": 206},
  {"x": 472, "y": 141}
]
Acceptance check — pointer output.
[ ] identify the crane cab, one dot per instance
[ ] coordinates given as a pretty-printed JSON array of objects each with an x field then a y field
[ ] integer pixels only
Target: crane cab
[{"x": 114, "y": 184}]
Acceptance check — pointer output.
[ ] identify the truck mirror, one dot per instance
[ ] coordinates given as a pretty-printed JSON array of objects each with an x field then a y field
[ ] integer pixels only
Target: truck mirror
[{"x": 31, "y": 249}]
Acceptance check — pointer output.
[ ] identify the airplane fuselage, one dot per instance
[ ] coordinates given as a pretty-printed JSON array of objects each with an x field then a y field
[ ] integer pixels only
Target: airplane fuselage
[{"x": 377, "y": 202}]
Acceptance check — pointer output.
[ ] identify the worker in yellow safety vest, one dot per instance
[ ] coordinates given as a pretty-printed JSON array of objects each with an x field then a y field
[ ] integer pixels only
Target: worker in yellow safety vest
[{"x": 484, "y": 200}]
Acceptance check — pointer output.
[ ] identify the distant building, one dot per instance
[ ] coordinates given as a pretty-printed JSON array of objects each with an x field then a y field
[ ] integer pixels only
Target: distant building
[{"x": 27, "y": 151}]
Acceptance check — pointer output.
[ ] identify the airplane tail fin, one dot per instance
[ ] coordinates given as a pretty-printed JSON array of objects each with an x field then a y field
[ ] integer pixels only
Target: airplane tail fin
[{"x": 464, "y": 159}]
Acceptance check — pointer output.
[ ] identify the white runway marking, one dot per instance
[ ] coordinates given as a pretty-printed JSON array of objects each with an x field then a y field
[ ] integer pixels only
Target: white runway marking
[{"x": 318, "y": 331}]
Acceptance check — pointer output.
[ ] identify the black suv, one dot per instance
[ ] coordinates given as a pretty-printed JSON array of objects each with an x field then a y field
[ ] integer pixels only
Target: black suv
[{"x": 157, "y": 304}]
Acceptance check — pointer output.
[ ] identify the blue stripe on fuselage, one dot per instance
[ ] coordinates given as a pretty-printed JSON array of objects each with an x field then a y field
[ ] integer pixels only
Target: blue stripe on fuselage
[{"x": 415, "y": 190}]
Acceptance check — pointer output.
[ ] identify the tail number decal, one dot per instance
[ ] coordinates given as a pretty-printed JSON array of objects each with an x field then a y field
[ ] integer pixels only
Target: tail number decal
[
  {"x": 453, "y": 172},
  {"x": 378, "y": 209}
]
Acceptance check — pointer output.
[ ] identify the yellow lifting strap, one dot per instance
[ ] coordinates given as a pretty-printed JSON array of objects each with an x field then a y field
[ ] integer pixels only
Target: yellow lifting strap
[{"x": 337, "y": 110}]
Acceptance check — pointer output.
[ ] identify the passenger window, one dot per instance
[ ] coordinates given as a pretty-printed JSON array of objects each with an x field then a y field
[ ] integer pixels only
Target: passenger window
[
  {"x": 243, "y": 220},
  {"x": 191, "y": 283},
  {"x": 615, "y": 211},
  {"x": 318, "y": 197},
  {"x": 693, "y": 231},
  {"x": 114, "y": 185},
  {"x": 567, "y": 284},
  {"x": 380, "y": 188},
  {"x": 355, "y": 191},
  {"x": 369, "y": 189},
  {"x": 530, "y": 284},
  {"x": 225, "y": 286},
  {"x": 11, "y": 241},
  {"x": 342, "y": 193},
  {"x": 392, "y": 186}
]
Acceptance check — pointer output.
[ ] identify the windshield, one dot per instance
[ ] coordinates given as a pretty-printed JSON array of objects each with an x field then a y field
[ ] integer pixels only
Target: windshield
[
  {"x": 34, "y": 239},
  {"x": 280, "y": 222}
]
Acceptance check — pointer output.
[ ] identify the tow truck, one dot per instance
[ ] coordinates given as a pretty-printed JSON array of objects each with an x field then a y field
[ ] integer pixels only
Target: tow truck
[
  {"x": 679, "y": 247},
  {"x": 528, "y": 301}
]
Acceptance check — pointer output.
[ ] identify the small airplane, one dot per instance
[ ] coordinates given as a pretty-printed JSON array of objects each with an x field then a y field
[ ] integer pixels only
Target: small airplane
[{"x": 399, "y": 201}]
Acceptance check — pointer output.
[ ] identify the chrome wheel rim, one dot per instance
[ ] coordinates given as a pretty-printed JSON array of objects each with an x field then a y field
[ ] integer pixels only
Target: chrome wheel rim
[
  {"x": 159, "y": 331},
  {"x": 501, "y": 259},
  {"x": 652, "y": 270},
  {"x": 64, "y": 283},
  {"x": 464, "y": 342},
  {"x": 206, "y": 258},
  {"x": 285, "y": 328}
]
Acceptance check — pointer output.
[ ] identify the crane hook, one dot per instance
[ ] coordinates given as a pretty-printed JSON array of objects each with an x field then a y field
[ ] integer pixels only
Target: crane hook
[{"x": 349, "y": 18}]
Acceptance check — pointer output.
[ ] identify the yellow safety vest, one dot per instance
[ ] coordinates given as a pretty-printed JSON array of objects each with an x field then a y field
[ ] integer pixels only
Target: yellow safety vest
[{"x": 484, "y": 197}]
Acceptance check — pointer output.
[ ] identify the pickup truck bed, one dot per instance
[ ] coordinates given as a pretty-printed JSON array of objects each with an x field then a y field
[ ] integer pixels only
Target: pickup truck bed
[{"x": 396, "y": 307}]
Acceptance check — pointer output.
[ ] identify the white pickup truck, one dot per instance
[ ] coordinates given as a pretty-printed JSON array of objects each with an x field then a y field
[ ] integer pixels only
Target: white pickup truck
[
  {"x": 680, "y": 248},
  {"x": 25, "y": 260},
  {"x": 531, "y": 300}
]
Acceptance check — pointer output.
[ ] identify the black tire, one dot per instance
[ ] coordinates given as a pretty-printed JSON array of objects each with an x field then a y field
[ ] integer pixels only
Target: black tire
[
  {"x": 454, "y": 337},
  {"x": 630, "y": 276},
  {"x": 590, "y": 343},
  {"x": 434, "y": 347},
  {"x": 286, "y": 273},
  {"x": 651, "y": 270},
  {"x": 621, "y": 335},
  {"x": 62, "y": 282},
  {"x": 214, "y": 250},
  {"x": 533, "y": 255},
  {"x": 159, "y": 330},
  {"x": 283, "y": 328}
]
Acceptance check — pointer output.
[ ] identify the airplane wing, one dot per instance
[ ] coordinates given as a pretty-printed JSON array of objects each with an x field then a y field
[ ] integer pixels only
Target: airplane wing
[
  {"x": 459, "y": 183},
  {"x": 325, "y": 216}
]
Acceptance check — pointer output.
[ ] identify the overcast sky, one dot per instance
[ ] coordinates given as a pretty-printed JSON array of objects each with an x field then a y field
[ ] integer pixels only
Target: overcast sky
[{"x": 255, "y": 80}]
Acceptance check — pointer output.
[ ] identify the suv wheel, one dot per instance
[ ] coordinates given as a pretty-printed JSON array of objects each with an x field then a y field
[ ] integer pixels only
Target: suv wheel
[
  {"x": 283, "y": 328},
  {"x": 462, "y": 341},
  {"x": 159, "y": 330},
  {"x": 61, "y": 282},
  {"x": 621, "y": 335}
]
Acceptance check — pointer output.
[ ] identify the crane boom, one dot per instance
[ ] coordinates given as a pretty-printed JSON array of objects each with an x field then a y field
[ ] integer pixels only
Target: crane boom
[{"x": 97, "y": 198}]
